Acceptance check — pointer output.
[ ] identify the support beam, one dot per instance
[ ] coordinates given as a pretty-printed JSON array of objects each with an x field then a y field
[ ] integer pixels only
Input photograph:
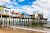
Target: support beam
[
  {"x": 9, "y": 21},
  {"x": 1, "y": 19},
  {"x": 17, "y": 20},
  {"x": 20, "y": 20},
  {"x": 28, "y": 21},
  {"x": 12, "y": 21},
  {"x": 24, "y": 21},
  {"x": 6, "y": 21}
]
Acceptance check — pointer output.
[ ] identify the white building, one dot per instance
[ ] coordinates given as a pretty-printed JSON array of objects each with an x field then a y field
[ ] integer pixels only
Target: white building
[
  {"x": 36, "y": 15},
  {"x": 5, "y": 10}
]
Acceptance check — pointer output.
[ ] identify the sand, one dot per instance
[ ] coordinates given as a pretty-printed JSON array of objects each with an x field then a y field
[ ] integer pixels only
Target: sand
[{"x": 2, "y": 30}]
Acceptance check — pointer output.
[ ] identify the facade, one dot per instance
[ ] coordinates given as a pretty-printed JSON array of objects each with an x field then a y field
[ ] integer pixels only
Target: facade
[{"x": 5, "y": 10}]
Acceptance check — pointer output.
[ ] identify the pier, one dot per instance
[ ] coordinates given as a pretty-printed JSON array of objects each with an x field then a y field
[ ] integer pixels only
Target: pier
[
  {"x": 9, "y": 20},
  {"x": 12, "y": 18}
]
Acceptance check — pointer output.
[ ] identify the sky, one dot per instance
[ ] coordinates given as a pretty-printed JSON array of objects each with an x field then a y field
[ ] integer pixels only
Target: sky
[{"x": 29, "y": 6}]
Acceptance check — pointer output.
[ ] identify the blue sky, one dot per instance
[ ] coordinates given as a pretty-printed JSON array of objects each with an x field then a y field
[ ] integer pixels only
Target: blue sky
[{"x": 29, "y": 6}]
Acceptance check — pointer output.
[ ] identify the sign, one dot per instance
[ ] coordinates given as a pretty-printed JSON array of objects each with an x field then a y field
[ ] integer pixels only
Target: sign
[
  {"x": 1, "y": 7},
  {"x": 1, "y": 10}
]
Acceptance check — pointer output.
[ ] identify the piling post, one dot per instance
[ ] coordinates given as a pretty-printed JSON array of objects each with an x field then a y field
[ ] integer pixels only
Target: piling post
[
  {"x": 17, "y": 20},
  {"x": 6, "y": 21},
  {"x": 24, "y": 20},
  {"x": 12, "y": 21},
  {"x": 1, "y": 20},
  {"x": 20, "y": 20},
  {"x": 28, "y": 21},
  {"x": 9, "y": 21}
]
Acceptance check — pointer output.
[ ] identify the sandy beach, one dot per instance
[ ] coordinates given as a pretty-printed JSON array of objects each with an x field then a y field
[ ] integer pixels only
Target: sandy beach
[{"x": 2, "y": 30}]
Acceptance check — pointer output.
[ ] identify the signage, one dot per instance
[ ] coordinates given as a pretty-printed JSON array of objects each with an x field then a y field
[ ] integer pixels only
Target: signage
[
  {"x": 1, "y": 7},
  {"x": 1, "y": 10}
]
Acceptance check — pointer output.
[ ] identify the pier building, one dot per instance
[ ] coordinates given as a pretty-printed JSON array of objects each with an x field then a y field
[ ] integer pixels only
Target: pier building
[{"x": 12, "y": 18}]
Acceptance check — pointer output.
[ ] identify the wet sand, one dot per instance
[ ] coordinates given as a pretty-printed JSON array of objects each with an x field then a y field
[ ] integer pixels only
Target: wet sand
[{"x": 2, "y": 30}]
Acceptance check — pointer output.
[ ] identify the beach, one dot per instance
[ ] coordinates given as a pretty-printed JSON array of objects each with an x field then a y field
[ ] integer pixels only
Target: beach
[{"x": 3, "y": 30}]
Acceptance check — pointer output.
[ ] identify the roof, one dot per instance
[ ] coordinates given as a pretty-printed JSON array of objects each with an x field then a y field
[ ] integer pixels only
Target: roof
[{"x": 5, "y": 7}]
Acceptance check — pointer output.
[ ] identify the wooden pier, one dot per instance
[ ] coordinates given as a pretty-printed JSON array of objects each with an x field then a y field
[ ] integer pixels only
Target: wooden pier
[{"x": 10, "y": 20}]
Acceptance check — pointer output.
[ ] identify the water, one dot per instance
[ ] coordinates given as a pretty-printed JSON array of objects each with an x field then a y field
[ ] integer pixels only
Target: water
[
  {"x": 34, "y": 25},
  {"x": 21, "y": 23},
  {"x": 48, "y": 24}
]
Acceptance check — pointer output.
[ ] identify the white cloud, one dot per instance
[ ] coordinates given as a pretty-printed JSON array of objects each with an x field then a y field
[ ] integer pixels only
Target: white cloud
[
  {"x": 43, "y": 6},
  {"x": 14, "y": 10},
  {"x": 8, "y": 1},
  {"x": 15, "y": 3},
  {"x": 2, "y": 2},
  {"x": 21, "y": 0}
]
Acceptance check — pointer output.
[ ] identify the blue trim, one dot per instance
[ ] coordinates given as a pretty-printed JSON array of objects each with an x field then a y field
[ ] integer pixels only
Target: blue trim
[
  {"x": 0, "y": 6},
  {"x": 5, "y": 7},
  {"x": 8, "y": 8}
]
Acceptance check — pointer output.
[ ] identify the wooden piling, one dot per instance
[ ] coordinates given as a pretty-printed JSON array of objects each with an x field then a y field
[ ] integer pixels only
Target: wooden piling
[
  {"x": 6, "y": 21},
  {"x": 1, "y": 19},
  {"x": 24, "y": 21},
  {"x": 12, "y": 21},
  {"x": 9, "y": 21}
]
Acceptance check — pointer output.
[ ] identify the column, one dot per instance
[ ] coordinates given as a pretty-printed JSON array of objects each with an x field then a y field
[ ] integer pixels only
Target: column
[
  {"x": 20, "y": 21},
  {"x": 9, "y": 21},
  {"x": 1, "y": 21},
  {"x": 12, "y": 21},
  {"x": 6, "y": 21},
  {"x": 24, "y": 21},
  {"x": 28, "y": 21},
  {"x": 17, "y": 20}
]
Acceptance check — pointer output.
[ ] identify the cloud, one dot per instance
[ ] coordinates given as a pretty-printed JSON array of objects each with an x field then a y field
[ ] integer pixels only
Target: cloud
[
  {"x": 2, "y": 2},
  {"x": 14, "y": 10},
  {"x": 43, "y": 6},
  {"x": 21, "y": 0},
  {"x": 8, "y": 1},
  {"x": 15, "y": 3}
]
